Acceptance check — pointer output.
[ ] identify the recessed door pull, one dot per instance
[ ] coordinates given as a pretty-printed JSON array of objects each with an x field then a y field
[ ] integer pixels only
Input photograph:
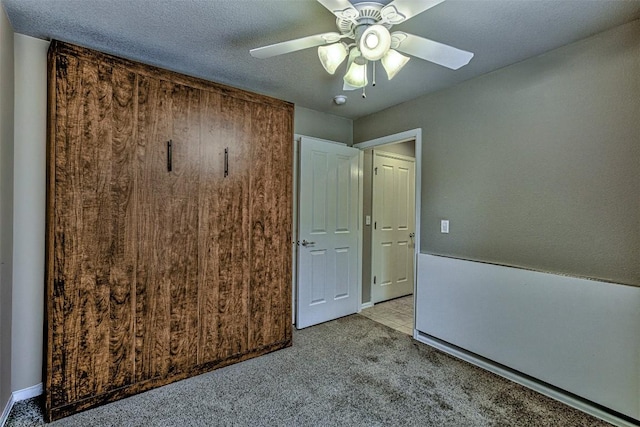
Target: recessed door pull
[
  {"x": 226, "y": 162},
  {"x": 169, "y": 147}
]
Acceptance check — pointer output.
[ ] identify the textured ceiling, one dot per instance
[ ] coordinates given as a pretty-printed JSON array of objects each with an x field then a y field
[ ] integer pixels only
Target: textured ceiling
[{"x": 211, "y": 39}]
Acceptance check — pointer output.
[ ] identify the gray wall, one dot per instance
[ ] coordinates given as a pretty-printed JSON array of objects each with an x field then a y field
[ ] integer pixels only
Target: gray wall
[
  {"x": 29, "y": 189},
  {"x": 6, "y": 204},
  {"x": 406, "y": 148},
  {"x": 322, "y": 125},
  {"x": 537, "y": 164}
]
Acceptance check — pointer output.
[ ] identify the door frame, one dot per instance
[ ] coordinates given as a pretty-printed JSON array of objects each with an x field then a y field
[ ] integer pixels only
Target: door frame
[
  {"x": 415, "y": 135},
  {"x": 297, "y": 140}
]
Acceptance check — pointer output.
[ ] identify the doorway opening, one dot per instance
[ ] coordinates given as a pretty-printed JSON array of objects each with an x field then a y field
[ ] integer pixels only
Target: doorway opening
[{"x": 391, "y": 201}]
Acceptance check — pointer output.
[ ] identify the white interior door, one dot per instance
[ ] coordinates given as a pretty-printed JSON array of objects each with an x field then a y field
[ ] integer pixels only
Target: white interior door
[
  {"x": 328, "y": 232},
  {"x": 393, "y": 245}
]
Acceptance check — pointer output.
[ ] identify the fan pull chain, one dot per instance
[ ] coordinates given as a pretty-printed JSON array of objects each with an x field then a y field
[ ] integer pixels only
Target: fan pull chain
[
  {"x": 373, "y": 65},
  {"x": 364, "y": 70}
]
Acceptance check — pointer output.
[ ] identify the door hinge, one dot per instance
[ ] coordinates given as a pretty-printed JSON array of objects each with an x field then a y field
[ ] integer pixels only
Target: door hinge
[
  {"x": 374, "y": 280},
  {"x": 375, "y": 170},
  {"x": 375, "y": 225}
]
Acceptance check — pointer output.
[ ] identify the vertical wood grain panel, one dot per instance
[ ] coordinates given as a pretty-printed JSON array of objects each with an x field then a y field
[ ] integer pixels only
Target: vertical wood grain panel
[
  {"x": 271, "y": 175},
  {"x": 97, "y": 328},
  {"x": 79, "y": 209},
  {"x": 123, "y": 228},
  {"x": 152, "y": 289},
  {"x": 234, "y": 229},
  {"x": 62, "y": 305},
  {"x": 181, "y": 229},
  {"x": 211, "y": 152},
  {"x": 49, "y": 351},
  {"x": 85, "y": 191},
  {"x": 282, "y": 137},
  {"x": 167, "y": 292},
  {"x": 98, "y": 254}
]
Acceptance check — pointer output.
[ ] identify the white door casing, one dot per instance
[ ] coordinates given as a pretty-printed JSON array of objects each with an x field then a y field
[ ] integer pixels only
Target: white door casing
[
  {"x": 393, "y": 234},
  {"x": 328, "y": 232}
]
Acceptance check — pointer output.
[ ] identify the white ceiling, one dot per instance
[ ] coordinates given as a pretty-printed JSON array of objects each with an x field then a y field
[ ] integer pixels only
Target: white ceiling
[{"x": 211, "y": 39}]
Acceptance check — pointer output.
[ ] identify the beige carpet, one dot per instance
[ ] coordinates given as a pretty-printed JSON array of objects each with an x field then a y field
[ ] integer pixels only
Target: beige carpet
[{"x": 348, "y": 372}]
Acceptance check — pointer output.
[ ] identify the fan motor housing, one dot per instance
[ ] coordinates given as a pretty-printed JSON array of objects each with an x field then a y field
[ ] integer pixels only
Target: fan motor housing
[{"x": 369, "y": 14}]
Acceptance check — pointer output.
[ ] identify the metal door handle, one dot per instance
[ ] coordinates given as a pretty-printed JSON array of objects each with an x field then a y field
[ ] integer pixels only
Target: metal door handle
[{"x": 305, "y": 243}]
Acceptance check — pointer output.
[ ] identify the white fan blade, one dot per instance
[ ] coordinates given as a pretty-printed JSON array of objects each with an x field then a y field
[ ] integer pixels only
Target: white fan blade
[
  {"x": 441, "y": 54},
  {"x": 294, "y": 45},
  {"x": 341, "y": 8},
  {"x": 400, "y": 10}
]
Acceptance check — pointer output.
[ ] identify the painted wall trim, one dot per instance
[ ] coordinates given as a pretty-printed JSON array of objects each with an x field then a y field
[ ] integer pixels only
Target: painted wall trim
[
  {"x": 18, "y": 396},
  {"x": 407, "y": 135},
  {"x": 575, "y": 334},
  {"x": 360, "y": 224},
  {"x": 532, "y": 383}
]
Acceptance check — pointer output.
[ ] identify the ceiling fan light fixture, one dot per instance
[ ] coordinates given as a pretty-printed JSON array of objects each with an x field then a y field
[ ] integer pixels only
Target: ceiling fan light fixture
[
  {"x": 375, "y": 42},
  {"x": 356, "y": 76},
  {"x": 331, "y": 56},
  {"x": 393, "y": 62}
]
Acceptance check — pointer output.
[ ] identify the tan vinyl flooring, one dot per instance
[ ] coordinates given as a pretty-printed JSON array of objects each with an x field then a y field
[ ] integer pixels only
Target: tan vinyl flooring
[{"x": 397, "y": 314}]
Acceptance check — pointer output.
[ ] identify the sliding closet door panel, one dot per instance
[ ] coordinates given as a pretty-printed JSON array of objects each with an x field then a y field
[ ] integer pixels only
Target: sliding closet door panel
[
  {"x": 224, "y": 254},
  {"x": 167, "y": 292},
  {"x": 271, "y": 180},
  {"x": 91, "y": 307}
]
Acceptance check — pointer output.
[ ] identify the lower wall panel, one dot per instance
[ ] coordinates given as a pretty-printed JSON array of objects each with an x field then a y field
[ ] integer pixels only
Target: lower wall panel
[{"x": 579, "y": 335}]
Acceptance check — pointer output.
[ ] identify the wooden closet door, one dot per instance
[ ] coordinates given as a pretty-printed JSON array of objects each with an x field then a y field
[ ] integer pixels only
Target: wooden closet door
[
  {"x": 91, "y": 231},
  {"x": 166, "y": 320}
]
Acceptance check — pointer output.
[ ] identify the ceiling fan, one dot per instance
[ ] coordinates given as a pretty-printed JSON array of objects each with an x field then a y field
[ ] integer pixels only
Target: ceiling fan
[{"x": 364, "y": 38}]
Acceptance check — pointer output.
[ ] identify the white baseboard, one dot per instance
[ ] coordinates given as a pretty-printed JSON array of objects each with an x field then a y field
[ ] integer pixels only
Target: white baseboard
[
  {"x": 27, "y": 393},
  {"x": 540, "y": 387},
  {"x": 7, "y": 409},
  {"x": 17, "y": 396}
]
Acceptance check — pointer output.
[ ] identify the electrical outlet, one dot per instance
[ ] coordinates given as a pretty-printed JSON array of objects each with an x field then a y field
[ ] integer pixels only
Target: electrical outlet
[
  {"x": 444, "y": 226},
  {"x": 367, "y": 220}
]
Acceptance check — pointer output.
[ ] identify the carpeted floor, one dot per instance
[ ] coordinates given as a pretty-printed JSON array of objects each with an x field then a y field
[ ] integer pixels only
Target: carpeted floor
[{"x": 348, "y": 372}]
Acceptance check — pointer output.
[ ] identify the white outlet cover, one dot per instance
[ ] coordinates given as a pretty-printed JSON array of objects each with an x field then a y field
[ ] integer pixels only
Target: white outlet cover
[{"x": 444, "y": 226}]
